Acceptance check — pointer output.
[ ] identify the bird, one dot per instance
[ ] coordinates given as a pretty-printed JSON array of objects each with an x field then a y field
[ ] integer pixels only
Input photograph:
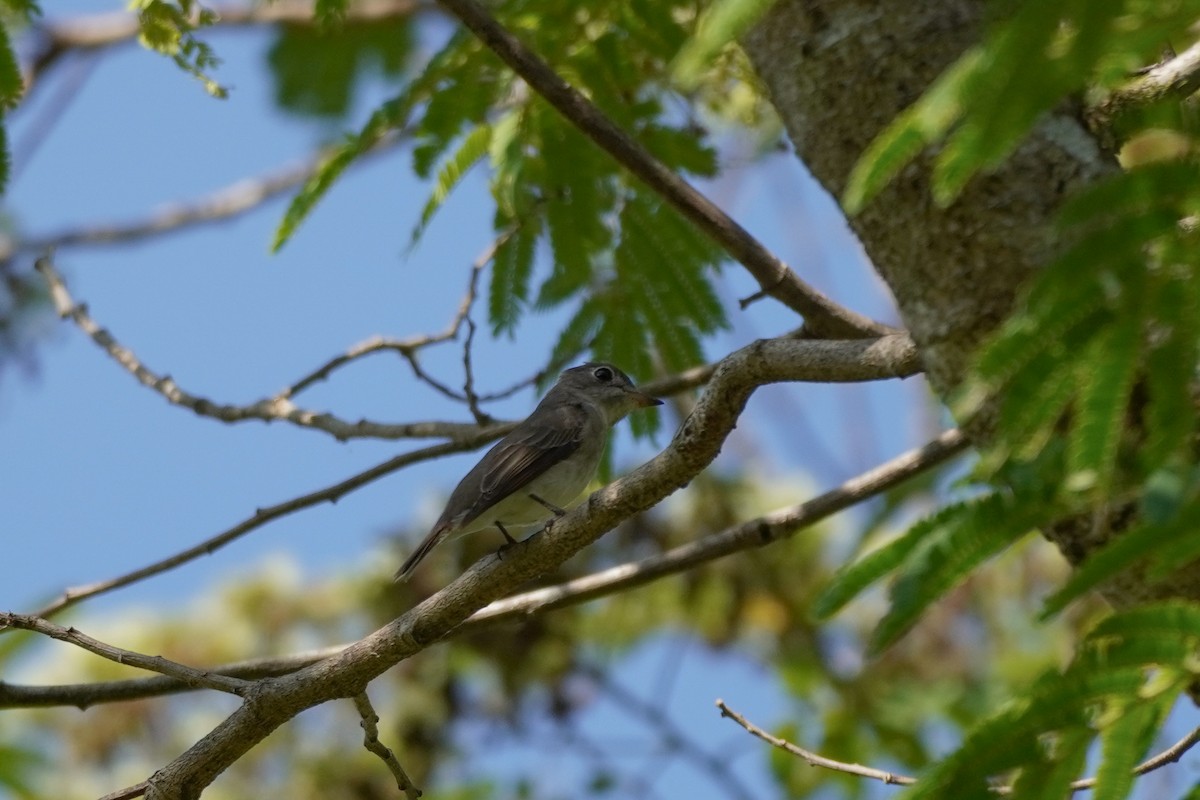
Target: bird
[{"x": 542, "y": 464}]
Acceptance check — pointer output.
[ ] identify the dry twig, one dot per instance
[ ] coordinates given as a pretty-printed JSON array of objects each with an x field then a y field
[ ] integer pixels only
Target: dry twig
[
  {"x": 370, "y": 726},
  {"x": 1168, "y": 756}
]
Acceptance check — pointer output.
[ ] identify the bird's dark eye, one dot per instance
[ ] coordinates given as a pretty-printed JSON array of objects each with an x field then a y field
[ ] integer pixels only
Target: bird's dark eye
[{"x": 602, "y": 374}]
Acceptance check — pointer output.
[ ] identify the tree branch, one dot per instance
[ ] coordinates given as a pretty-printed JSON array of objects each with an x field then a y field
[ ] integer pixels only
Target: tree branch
[
  {"x": 1177, "y": 77},
  {"x": 275, "y": 701},
  {"x": 266, "y": 514},
  {"x": 828, "y": 361},
  {"x": 224, "y": 204},
  {"x": 194, "y": 678},
  {"x": 370, "y": 726},
  {"x": 273, "y": 409},
  {"x": 672, "y": 736},
  {"x": 759, "y": 532},
  {"x": 408, "y": 347},
  {"x": 822, "y": 316},
  {"x": 1168, "y": 756}
]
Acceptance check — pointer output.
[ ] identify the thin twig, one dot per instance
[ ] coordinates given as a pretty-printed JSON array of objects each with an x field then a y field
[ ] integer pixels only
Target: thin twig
[
  {"x": 128, "y": 793},
  {"x": 672, "y": 736},
  {"x": 812, "y": 758},
  {"x": 1168, "y": 756},
  {"x": 753, "y": 533},
  {"x": 370, "y": 726},
  {"x": 262, "y": 516},
  {"x": 773, "y": 275},
  {"x": 192, "y": 677},
  {"x": 268, "y": 410},
  {"x": 407, "y": 347},
  {"x": 469, "y": 379}
]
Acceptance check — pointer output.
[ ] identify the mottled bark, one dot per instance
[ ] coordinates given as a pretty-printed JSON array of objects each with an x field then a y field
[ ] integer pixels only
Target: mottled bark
[{"x": 838, "y": 72}]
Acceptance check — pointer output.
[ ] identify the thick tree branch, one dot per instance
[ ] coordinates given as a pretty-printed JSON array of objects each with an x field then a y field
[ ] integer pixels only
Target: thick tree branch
[
  {"x": 274, "y": 701},
  {"x": 758, "y": 532},
  {"x": 822, "y": 316},
  {"x": 1168, "y": 756},
  {"x": 192, "y": 677}
]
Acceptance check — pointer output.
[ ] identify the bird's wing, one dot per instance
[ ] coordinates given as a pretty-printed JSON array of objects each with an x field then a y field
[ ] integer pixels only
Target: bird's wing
[{"x": 549, "y": 436}]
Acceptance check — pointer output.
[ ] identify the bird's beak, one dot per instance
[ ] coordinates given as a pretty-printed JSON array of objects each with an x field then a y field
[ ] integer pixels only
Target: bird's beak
[{"x": 642, "y": 399}]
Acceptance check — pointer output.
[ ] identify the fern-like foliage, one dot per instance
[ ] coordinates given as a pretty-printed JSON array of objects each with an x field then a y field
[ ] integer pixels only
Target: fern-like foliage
[
  {"x": 1126, "y": 676},
  {"x": 638, "y": 276},
  {"x": 933, "y": 557},
  {"x": 170, "y": 28},
  {"x": 986, "y": 102}
]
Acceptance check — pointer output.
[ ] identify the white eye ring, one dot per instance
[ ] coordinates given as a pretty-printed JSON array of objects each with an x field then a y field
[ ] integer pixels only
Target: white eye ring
[{"x": 602, "y": 374}]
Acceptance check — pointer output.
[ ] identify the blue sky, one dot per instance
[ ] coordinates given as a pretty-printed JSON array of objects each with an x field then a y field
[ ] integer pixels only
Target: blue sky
[{"x": 107, "y": 476}]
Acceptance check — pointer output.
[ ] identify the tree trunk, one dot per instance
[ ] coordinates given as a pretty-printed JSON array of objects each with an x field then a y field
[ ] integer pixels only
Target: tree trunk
[{"x": 838, "y": 72}]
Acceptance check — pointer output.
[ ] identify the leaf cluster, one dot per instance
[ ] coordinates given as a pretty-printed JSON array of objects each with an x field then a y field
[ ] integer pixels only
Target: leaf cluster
[
  {"x": 170, "y": 28},
  {"x": 984, "y": 104},
  {"x": 1087, "y": 394},
  {"x": 1120, "y": 687},
  {"x": 637, "y": 277}
]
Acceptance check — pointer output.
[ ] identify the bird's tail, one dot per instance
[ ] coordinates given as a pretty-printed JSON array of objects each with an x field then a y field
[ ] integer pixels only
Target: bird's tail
[{"x": 428, "y": 543}]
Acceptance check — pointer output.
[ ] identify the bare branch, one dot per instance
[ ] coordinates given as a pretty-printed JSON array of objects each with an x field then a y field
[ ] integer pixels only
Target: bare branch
[
  {"x": 469, "y": 378},
  {"x": 765, "y": 530},
  {"x": 266, "y": 514},
  {"x": 1168, "y": 756},
  {"x": 672, "y": 736},
  {"x": 822, "y": 316},
  {"x": 268, "y": 410},
  {"x": 1177, "y": 77},
  {"x": 813, "y": 759},
  {"x": 759, "y": 532},
  {"x": 699, "y": 439},
  {"x": 192, "y": 677},
  {"x": 370, "y": 726},
  {"x": 408, "y": 347},
  {"x": 86, "y": 695},
  {"x": 226, "y": 203}
]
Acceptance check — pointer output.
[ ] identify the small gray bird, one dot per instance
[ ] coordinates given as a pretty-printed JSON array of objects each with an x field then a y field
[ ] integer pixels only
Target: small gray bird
[{"x": 544, "y": 463}]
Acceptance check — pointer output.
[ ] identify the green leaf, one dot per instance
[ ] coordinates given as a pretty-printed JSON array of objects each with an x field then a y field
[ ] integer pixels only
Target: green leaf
[
  {"x": 721, "y": 23},
  {"x": 317, "y": 71},
  {"x": 334, "y": 164},
  {"x": 1123, "y": 743},
  {"x": 387, "y": 117},
  {"x": 850, "y": 581},
  {"x": 1133, "y": 545},
  {"x": 579, "y": 332},
  {"x": 12, "y": 85},
  {"x": 473, "y": 148},
  {"x": 1108, "y": 372},
  {"x": 329, "y": 13},
  {"x": 512, "y": 267},
  {"x": 1050, "y": 775},
  {"x": 900, "y": 142},
  {"x": 947, "y": 555}
]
